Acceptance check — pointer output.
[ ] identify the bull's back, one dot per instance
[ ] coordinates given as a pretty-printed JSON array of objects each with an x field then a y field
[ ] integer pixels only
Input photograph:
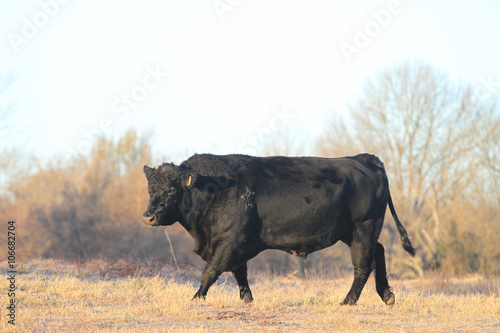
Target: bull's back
[
  {"x": 308, "y": 203},
  {"x": 302, "y": 203}
]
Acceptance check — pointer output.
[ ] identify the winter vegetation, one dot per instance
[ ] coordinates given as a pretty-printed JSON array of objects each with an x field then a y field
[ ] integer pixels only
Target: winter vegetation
[
  {"x": 88, "y": 263},
  {"x": 439, "y": 141},
  {"x": 154, "y": 296}
]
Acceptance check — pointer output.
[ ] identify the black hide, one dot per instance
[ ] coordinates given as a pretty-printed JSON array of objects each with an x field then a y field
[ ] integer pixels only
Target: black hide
[{"x": 236, "y": 206}]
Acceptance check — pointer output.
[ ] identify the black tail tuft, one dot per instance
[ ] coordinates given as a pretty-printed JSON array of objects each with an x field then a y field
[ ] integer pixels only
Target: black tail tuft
[
  {"x": 405, "y": 241},
  {"x": 408, "y": 246}
]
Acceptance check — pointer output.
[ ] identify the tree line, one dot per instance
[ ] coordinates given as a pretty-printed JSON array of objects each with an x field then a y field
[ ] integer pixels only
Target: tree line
[{"x": 439, "y": 141}]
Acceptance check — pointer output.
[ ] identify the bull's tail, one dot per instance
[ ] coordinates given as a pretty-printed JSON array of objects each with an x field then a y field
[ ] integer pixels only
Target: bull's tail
[{"x": 405, "y": 241}]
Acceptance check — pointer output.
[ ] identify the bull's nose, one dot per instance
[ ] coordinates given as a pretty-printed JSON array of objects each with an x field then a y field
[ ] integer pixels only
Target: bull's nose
[{"x": 149, "y": 220}]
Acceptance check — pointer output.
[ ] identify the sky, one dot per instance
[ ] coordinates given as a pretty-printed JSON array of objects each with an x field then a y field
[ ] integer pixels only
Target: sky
[{"x": 219, "y": 76}]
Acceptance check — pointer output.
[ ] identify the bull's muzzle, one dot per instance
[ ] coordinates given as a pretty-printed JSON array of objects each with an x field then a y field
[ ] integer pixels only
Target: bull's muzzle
[{"x": 150, "y": 220}]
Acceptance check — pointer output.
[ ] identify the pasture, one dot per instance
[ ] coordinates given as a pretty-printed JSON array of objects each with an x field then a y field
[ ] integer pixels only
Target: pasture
[{"x": 124, "y": 296}]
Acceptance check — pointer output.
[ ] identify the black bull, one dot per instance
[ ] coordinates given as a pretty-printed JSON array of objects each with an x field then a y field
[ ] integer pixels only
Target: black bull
[{"x": 236, "y": 206}]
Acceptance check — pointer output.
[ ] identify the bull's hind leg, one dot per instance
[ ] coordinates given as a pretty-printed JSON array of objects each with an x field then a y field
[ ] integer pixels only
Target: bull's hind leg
[
  {"x": 362, "y": 248},
  {"x": 383, "y": 288},
  {"x": 240, "y": 274}
]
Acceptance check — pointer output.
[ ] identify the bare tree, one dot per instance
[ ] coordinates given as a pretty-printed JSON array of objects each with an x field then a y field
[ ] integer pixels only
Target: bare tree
[{"x": 435, "y": 137}]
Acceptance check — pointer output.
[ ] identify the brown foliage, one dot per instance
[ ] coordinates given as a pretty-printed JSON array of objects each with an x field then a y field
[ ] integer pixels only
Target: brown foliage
[
  {"x": 88, "y": 208},
  {"x": 439, "y": 141}
]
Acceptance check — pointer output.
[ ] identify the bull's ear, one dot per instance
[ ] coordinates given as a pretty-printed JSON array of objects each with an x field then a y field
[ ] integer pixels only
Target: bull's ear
[
  {"x": 148, "y": 171},
  {"x": 189, "y": 178}
]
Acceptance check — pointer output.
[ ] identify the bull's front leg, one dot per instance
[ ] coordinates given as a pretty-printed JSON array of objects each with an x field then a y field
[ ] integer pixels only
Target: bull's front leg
[{"x": 214, "y": 268}]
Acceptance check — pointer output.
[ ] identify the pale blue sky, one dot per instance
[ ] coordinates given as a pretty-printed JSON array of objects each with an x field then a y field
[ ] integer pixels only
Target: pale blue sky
[{"x": 237, "y": 70}]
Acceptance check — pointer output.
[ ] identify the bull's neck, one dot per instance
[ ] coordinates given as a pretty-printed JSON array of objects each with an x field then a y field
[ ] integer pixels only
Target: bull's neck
[{"x": 193, "y": 212}]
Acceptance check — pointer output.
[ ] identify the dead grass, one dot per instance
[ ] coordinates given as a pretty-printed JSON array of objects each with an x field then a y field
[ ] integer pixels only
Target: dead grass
[{"x": 55, "y": 296}]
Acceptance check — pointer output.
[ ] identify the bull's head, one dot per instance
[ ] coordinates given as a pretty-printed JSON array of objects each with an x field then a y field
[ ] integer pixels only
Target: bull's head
[{"x": 165, "y": 186}]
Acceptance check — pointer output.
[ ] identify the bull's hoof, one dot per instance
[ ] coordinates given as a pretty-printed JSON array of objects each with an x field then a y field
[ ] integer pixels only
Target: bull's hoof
[
  {"x": 349, "y": 301},
  {"x": 389, "y": 297},
  {"x": 198, "y": 296},
  {"x": 246, "y": 295},
  {"x": 247, "y": 298}
]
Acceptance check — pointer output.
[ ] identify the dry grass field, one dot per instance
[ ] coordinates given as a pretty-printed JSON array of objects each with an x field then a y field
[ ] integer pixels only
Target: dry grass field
[{"x": 101, "y": 296}]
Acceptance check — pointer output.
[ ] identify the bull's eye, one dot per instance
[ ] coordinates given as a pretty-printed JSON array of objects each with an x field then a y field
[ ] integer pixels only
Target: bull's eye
[
  {"x": 172, "y": 191},
  {"x": 157, "y": 201}
]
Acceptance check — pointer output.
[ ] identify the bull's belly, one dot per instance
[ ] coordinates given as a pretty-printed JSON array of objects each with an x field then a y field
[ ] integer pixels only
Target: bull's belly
[
  {"x": 303, "y": 247},
  {"x": 304, "y": 233}
]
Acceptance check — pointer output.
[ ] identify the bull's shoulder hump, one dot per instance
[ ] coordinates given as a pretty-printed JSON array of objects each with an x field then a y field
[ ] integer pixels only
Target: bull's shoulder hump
[{"x": 209, "y": 164}]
